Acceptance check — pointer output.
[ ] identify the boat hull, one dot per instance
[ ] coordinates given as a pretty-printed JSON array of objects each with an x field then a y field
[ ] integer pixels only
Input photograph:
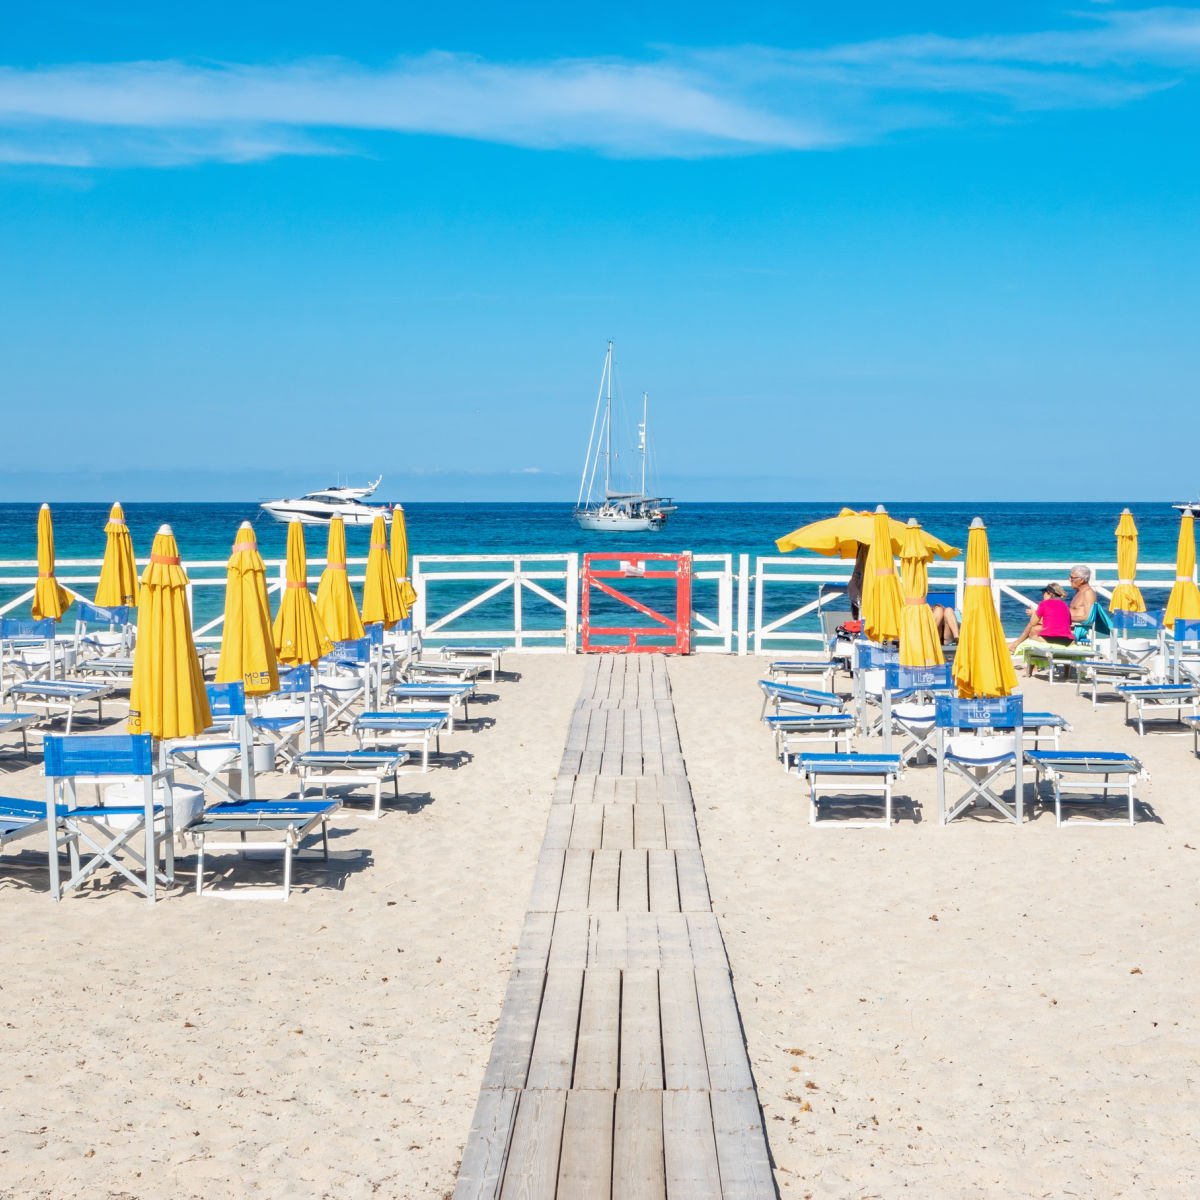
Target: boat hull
[
  {"x": 617, "y": 523},
  {"x": 322, "y": 515}
]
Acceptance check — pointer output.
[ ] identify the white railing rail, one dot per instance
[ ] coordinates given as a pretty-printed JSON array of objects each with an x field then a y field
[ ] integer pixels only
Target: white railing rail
[{"x": 713, "y": 630}]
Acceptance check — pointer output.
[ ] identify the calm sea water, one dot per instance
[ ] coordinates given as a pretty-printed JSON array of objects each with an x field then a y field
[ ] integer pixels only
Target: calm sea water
[{"x": 1054, "y": 532}]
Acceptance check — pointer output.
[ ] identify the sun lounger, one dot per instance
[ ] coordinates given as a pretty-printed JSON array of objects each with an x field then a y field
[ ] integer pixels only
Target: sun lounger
[
  {"x": 849, "y": 776},
  {"x": 488, "y": 655},
  {"x": 56, "y": 696},
  {"x": 1038, "y": 725},
  {"x": 354, "y": 768},
  {"x": 790, "y": 670},
  {"x": 1037, "y": 654},
  {"x": 1092, "y": 774},
  {"x": 19, "y": 722},
  {"x": 425, "y": 670},
  {"x": 281, "y": 825},
  {"x": 979, "y": 741},
  {"x": 1097, "y": 673},
  {"x": 794, "y": 731},
  {"x": 407, "y": 730},
  {"x": 453, "y": 695},
  {"x": 788, "y": 697},
  {"x": 1153, "y": 701},
  {"x": 20, "y": 819},
  {"x": 112, "y": 670}
]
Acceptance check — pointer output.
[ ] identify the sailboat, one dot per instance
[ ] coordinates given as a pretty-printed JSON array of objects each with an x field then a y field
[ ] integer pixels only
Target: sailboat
[{"x": 615, "y": 511}]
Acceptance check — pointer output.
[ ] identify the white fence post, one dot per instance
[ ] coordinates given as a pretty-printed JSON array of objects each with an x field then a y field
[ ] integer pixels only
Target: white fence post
[
  {"x": 572, "y": 604},
  {"x": 518, "y": 617},
  {"x": 743, "y": 605}
]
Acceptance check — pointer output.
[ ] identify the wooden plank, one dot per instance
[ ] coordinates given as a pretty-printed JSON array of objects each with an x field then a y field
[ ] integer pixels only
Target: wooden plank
[
  {"x": 689, "y": 1147},
  {"x": 576, "y": 881},
  {"x": 641, "y": 1042},
  {"x": 558, "y": 827},
  {"x": 685, "y": 1064},
  {"x": 679, "y": 824},
  {"x": 534, "y": 946},
  {"x": 606, "y": 874},
  {"x": 588, "y": 828},
  {"x": 674, "y": 940},
  {"x": 742, "y": 1146},
  {"x": 664, "y": 882},
  {"x": 625, "y": 790},
  {"x": 693, "y": 881},
  {"x": 618, "y": 827},
  {"x": 546, "y": 880},
  {"x": 509, "y": 1061},
  {"x": 649, "y": 828},
  {"x": 598, "y": 1041},
  {"x": 634, "y": 893},
  {"x": 482, "y": 1165},
  {"x": 584, "y": 789},
  {"x": 724, "y": 1044},
  {"x": 639, "y": 1172},
  {"x": 641, "y": 941},
  {"x": 606, "y": 947},
  {"x": 569, "y": 945},
  {"x": 552, "y": 1063},
  {"x": 532, "y": 1169},
  {"x": 585, "y": 1163},
  {"x": 708, "y": 947}
]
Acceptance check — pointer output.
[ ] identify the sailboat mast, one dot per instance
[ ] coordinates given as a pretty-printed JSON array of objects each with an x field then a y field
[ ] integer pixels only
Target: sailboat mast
[
  {"x": 642, "y": 437},
  {"x": 608, "y": 427}
]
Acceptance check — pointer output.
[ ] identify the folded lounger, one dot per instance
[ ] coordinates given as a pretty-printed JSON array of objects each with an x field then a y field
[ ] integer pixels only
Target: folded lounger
[
  {"x": 60, "y": 696},
  {"x": 1037, "y": 725},
  {"x": 786, "y": 670},
  {"x": 488, "y": 655},
  {"x": 1088, "y": 772},
  {"x": 810, "y": 728},
  {"x": 1096, "y": 673},
  {"x": 788, "y": 697},
  {"x": 849, "y": 775},
  {"x": 274, "y": 825},
  {"x": 454, "y": 695},
  {"x": 408, "y": 730},
  {"x": 22, "y": 819},
  {"x": 19, "y": 722},
  {"x": 1152, "y": 701},
  {"x": 354, "y": 768}
]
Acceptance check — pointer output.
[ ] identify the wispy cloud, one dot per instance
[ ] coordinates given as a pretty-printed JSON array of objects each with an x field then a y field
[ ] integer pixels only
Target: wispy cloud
[{"x": 680, "y": 103}]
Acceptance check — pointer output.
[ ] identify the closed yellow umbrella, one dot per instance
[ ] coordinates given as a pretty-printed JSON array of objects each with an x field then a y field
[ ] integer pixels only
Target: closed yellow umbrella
[
  {"x": 117, "y": 586},
  {"x": 983, "y": 664},
  {"x": 881, "y": 601},
  {"x": 1126, "y": 596},
  {"x": 1184, "y": 601},
  {"x": 335, "y": 600},
  {"x": 247, "y": 643},
  {"x": 49, "y": 598},
  {"x": 167, "y": 698},
  {"x": 408, "y": 593},
  {"x": 920, "y": 645},
  {"x": 300, "y": 635},
  {"x": 841, "y": 536},
  {"x": 381, "y": 593}
]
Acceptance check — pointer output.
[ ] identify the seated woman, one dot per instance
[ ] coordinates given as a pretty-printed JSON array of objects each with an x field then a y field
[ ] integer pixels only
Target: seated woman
[
  {"x": 946, "y": 623},
  {"x": 1049, "y": 622}
]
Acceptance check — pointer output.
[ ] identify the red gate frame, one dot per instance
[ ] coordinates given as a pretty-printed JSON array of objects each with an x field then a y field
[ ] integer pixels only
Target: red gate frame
[{"x": 680, "y": 626}]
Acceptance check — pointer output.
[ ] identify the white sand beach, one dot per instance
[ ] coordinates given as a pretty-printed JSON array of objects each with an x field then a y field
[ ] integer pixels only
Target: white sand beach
[{"x": 978, "y": 1010}]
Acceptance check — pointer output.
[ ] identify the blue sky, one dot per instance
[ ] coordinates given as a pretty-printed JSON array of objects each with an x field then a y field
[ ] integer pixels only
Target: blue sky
[{"x": 954, "y": 249}]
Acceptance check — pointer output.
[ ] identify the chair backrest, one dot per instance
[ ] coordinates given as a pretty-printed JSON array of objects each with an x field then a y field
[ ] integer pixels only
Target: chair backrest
[
  {"x": 1128, "y": 622},
  {"x": 352, "y": 653},
  {"x": 14, "y": 627},
  {"x": 872, "y": 657},
  {"x": 374, "y": 633},
  {"x": 296, "y": 680},
  {"x": 88, "y": 613},
  {"x": 898, "y": 678},
  {"x": 1186, "y": 630},
  {"x": 102, "y": 754},
  {"x": 226, "y": 699},
  {"x": 945, "y": 597},
  {"x": 999, "y": 712}
]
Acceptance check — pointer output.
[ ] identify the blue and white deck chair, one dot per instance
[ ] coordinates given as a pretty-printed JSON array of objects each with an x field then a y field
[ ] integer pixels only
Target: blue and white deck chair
[
  {"x": 351, "y": 672},
  {"x": 871, "y": 661},
  {"x": 27, "y": 650},
  {"x": 1139, "y": 639},
  {"x": 223, "y": 749},
  {"x": 108, "y": 832},
  {"x": 1184, "y": 651},
  {"x": 290, "y": 716},
  {"x": 979, "y": 740},
  {"x": 909, "y": 695},
  {"x": 102, "y": 632},
  {"x": 790, "y": 697}
]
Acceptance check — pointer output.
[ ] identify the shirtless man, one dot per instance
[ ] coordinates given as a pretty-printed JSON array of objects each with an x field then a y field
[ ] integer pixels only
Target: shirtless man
[{"x": 1085, "y": 594}]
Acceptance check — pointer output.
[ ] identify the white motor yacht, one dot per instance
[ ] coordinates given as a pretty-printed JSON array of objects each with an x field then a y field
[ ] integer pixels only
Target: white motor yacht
[{"x": 319, "y": 508}]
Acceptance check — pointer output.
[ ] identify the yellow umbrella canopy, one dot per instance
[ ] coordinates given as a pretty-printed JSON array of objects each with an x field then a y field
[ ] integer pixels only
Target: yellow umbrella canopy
[
  {"x": 983, "y": 664},
  {"x": 50, "y": 599},
  {"x": 1184, "y": 601},
  {"x": 300, "y": 634},
  {"x": 841, "y": 536},
  {"x": 881, "y": 602},
  {"x": 335, "y": 600},
  {"x": 381, "y": 592},
  {"x": 117, "y": 586},
  {"x": 1126, "y": 596},
  {"x": 247, "y": 643},
  {"x": 167, "y": 698},
  {"x": 920, "y": 645},
  {"x": 408, "y": 594}
]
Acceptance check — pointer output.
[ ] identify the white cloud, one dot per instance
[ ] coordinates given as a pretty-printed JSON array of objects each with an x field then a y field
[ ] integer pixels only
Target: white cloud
[{"x": 682, "y": 103}]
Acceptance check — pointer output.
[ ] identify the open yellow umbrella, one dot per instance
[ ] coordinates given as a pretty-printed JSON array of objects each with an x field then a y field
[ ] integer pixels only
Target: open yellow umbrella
[
  {"x": 1185, "y": 597},
  {"x": 841, "y": 536},
  {"x": 335, "y": 600},
  {"x": 247, "y": 644},
  {"x": 920, "y": 645},
  {"x": 300, "y": 635},
  {"x": 983, "y": 664},
  {"x": 117, "y": 586},
  {"x": 381, "y": 593},
  {"x": 167, "y": 697},
  {"x": 1126, "y": 595},
  {"x": 881, "y": 601},
  {"x": 408, "y": 593},
  {"x": 50, "y": 599}
]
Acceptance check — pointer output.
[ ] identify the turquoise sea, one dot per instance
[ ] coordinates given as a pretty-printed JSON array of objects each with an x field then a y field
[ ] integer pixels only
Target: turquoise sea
[{"x": 1018, "y": 531}]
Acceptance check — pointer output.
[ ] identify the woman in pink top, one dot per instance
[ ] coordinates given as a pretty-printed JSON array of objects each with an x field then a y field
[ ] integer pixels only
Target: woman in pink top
[{"x": 1050, "y": 621}]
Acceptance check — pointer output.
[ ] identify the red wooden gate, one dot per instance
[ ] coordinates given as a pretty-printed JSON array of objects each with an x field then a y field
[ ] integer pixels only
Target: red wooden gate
[{"x": 663, "y": 634}]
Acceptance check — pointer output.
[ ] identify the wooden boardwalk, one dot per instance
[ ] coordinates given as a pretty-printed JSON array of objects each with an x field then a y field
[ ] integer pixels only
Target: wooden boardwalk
[{"x": 619, "y": 1067}]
